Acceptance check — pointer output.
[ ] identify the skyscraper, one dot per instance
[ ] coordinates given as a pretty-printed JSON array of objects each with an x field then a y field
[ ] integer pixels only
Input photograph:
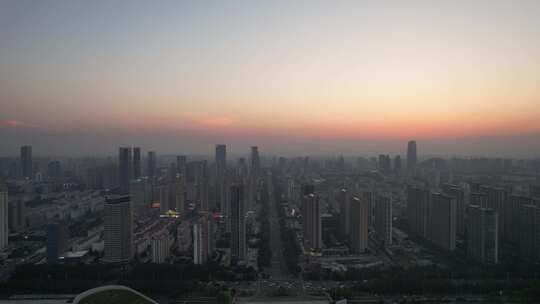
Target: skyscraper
[
  {"x": 199, "y": 256},
  {"x": 221, "y": 159},
  {"x": 368, "y": 196},
  {"x": 221, "y": 169},
  {"x": 311, "y": 219},
  {"x": 161, "y": 194},
  {"x": 411, "y": 155},
  {"x": 54, "y": 170},
  {"x": 197, "y": 183},
  {"x": 482, "y": 235},
  {"x": 344, "y": 198},
  {"x": 513, "y": 208},
  {"x": 359, "y": 225},
  {"x": 242, "y": 169},
  {"x": 181, "y": 161},
  {"x": 478, "y": 199},
  {"x": 177, "y": 190},
  {"x": 161, "y": 247},
  {"x": 496, "y": 200},
  {"x": 118, "y": 230},
  {"x": 26, "y": 162},
  {"x": 152, "y": 163},
  {"x": 254, "y": 174},
  {"x": 418, "y": 210},
  {"x": 17, "y": 214},
  {"x": 140, "y": 194},
  {"x": 238, "y": 223},
  {"x": 57, "y": 241},
  {"x": 4, "y": 215},
  {"x": 385, "y": 164},
  {"x": 529, "y": 241},
  {"x": 397, "y": 164},
  {"x": 202, "y": 238},
  {"x": 255, "y": 162},
  {"x": 456, "y": 192},
  {"x": 383, "y": 218},
  {"x": 137, "y": 162},
  {"x": 442, "y": 228},
  {"x": 125, "y": 168}
]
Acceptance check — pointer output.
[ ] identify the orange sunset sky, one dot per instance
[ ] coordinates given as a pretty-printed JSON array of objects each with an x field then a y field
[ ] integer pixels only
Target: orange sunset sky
[{"x": 289, "y": 76}]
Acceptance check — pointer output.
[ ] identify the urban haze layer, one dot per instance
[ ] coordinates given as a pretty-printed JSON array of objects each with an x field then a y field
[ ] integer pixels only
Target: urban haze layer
[
  {"x": 278, "y": 151},
  {"x": 255, "y": 228}
]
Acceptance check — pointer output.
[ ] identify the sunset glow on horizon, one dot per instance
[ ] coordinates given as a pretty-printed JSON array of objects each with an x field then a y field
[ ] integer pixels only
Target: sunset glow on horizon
[{"x": 315, "y": 70}]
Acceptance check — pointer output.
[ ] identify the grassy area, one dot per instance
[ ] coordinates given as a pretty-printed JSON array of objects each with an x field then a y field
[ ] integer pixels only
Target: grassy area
[{"x": 113, "y": 297}]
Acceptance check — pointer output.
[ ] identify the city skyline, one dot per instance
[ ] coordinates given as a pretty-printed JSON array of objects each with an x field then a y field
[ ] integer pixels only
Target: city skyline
[
  {"x": 521, "y": 147},
  {"x": 191, "y": 151},
  {"x": 348, "y": 78}
]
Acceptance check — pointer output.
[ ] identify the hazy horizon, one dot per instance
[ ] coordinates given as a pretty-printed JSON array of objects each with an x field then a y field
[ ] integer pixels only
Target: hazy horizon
[
  {"x": 77, "y": 144},
  {"x": 295, "y": 78}
]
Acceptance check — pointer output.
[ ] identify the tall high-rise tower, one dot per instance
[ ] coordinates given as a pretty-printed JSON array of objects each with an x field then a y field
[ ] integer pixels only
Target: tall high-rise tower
[
  {"x": 221, "y": 159},
  {"x": 221, "y": 169},
  {"x": 199, "y": 254},
  {"x": 255, "y": 162},
  {"x": 497, "y": 199},
  {"x": 161, "y": 246},
  {"x": 136, "y": 162},
  {"x": 254, "y": 174},
  {"x": 311, "y": 218},
  {"x": 238, "y": 224},
  {"x": 181, "y": 161},
  {"x": 383, "y": 218},
  {"x": 456, "y": 192},
  {"x": 118, "y": 230},
  {"x": 125, "y": 168},
  {"x": 4, "y": 215},
  {"x": 369, "y": 197},
  {"x": 196, "y": 183},
  {"x": 57, "y": 241},
  {"x": 17, "y": 214},
  {"x": 482, "y": 235},
  {"x": 418, "y": 210},
  {"x": 242, "y": 169},
  {"x": 478, "y": 199},
  {"x": 359, "y": 224},
  {"x": 529, "y": 237},
  {"x": 411, "y": 155},
  {"x": 152, "y": 163},
  {"x": 26, "y": 161},
  {"x": 202, "y": 238},
  {"x": 344, "y": 200},
  {"x": 442, "y": 228},
  {"x": 513, "y": 208},
  {"x": 141, "y": 195},
  {"x": 397, "y": 164}
]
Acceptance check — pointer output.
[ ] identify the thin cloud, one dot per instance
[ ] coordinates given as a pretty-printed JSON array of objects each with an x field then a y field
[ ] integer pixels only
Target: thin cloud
[
  {"x": 216, "y": 121},
  {"x": 182, "y": 121},
  {"x": 16, "y": 124}
]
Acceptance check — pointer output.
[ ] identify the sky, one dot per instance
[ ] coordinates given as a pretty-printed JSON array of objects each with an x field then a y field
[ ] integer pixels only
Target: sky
[{"x": 294, "y": 77}]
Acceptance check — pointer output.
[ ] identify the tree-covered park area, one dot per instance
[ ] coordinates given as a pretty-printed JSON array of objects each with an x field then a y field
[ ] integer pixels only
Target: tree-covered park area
[{"x": 147, "y": 278}]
